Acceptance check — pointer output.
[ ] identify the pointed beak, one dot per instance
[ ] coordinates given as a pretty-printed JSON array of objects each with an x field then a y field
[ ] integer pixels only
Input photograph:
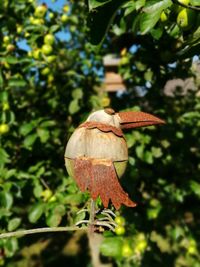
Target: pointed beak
[{"x": 134, "y": 119}]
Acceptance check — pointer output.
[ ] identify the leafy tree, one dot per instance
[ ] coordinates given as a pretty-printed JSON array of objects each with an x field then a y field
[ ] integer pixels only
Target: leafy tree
[{"x": 50, "y": 79}]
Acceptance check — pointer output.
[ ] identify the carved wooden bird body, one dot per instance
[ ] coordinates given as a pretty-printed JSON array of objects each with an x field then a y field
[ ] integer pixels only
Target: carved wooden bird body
[{"x": 96, "y": 154}]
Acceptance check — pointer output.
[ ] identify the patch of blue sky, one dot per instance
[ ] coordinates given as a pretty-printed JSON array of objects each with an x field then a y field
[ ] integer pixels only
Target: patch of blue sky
[
  {"x": 54, "y": 5},
  {"x": 63, "y": 35},
  {"x": 133, "y": 48},
  {"x": 23, "y": 45}
]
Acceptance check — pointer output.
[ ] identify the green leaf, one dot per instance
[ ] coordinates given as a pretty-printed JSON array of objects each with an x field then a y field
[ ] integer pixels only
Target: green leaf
[
  {"x": 74, "y": 106},
  {"x": 43, "y": 135},
  {"x": 36, "y": 212},
  {"x": 156, "y": 33},
  {"x": 11, "y": 246},
  {"x": 3, "y": 95},
  {"x": 149, "y": 20},
  {"x": 14, "y": 224},
  {"x": 37, "y": 190},
  {"x": 112, "y": 247},
  {"x": 26, "y": 128},
  {"x": 153, "y": 5},
  {"x": 129, "y": 8},
  {"x": 48, "y": 123},
  {"x": 16, "y": 82},
  {"x": 59, "y": 209},
  {"x": 152, "y": 14},
  {"x": 79, "y": 217},
  {"x": 139, "y": 4},
  {"x": 4, "y": 157},
  {"x": 131, "y": 160},
  {"x": 4, "y": 212},
  {"x": 195, "y": 187},
  {"x": 157, "y": 152},
  {"x": 139, "y": 151},
  {"x": 54, "y": 28},
  {"x": 6, "y": 199},
  {"x": 194, "y": 2},
  {"x": 77, "y": 93},
  {"x": 74, "y": 199},
  {"x": 55, "y": 216},
  {"x": 97, "y": 3},
  {"x": 54, "y": 219},
  {"x": 30, "y": 140},
  {"x": 98, "y": 26},
  {"x": 11, "y": 60},
  {"x": 8, "y": 173},
  {"x": 148, "y": 157},
  {"x": 1, "y": 79}
]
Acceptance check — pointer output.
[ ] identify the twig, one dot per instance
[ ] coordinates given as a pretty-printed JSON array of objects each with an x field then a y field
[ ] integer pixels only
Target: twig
[
  {"x": 82, "y": 221},
  {"x": 40, "y": 230},
  {"x": 186, "y": 6}
]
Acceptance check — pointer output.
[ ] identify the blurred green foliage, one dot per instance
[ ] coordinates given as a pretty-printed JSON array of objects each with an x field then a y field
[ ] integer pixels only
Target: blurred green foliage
[{"x": 47, "y": 89}]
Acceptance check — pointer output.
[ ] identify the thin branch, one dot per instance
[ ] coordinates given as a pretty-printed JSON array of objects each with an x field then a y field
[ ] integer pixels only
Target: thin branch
[
  {"x": 40, "y": 230},
  {"x": 186, "y": 6}
]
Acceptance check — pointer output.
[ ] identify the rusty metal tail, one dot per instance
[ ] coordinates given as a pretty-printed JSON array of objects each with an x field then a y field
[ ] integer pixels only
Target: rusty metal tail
[{"x": 100, "y": 179}]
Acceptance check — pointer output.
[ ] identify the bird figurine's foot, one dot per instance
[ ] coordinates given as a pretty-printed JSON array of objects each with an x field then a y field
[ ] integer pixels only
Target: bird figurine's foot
[{"x": 102, "y": 219}]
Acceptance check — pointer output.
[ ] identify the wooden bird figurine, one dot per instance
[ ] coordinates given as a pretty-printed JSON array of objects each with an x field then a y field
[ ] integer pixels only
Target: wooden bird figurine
[{"x": 96, "y": 154}]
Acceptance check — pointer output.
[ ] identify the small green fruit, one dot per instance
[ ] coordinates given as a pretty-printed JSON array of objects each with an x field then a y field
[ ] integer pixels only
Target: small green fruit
[
  {"x": 66, "y": 8},
  {"x": 49, "y": 39},
  {"x": 186, "y": 18},
  {"x": 64, "y": 18},
  {"x": 123, "y": 52},
  {"x": 37, "y": 21},
  {"x": 120, "y": 221},
  {"x": 45, "y": 71},
  {"x": 51, "y": 58},
  {"x": 163, "y": 17},
  {"x": 105, "y": 101},
  {"x": 4, "y": 128},
  {"x": 141, "y": 246},
  {"x": 19, "y": 29},
  {"x": 6, "y": 39},
  {"x": 40, "y": 11},
  {"x": 51, "y": 15},
  {"x": 127, "y": 251},
  {"x": 182, "y": 18},
  {"x": 119, "y": 230},
  {"x": 46, "y": 194},
  {"x": 10, "y": 48},
  {"x": 124, "y": 60},
  {"x": 27, "y": 34},
  {"x": 152, "y": 213},
  {"x": 154, "y": 202},
  {"x": 37, "y": 53},
  {"x": 50, "y": 78},
  {"x": 52, "y": 199},
  {"x": 5, "y": 106},
  {"x": 47, "y": 49}
]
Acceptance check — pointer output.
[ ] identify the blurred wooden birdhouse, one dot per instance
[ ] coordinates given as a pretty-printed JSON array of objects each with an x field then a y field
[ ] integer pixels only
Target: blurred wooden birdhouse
[{"x": 113, "y": 81}]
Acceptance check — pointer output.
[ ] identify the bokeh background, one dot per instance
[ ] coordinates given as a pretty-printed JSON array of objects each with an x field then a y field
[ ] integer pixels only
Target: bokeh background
[{"x": 51, "y": 78}]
